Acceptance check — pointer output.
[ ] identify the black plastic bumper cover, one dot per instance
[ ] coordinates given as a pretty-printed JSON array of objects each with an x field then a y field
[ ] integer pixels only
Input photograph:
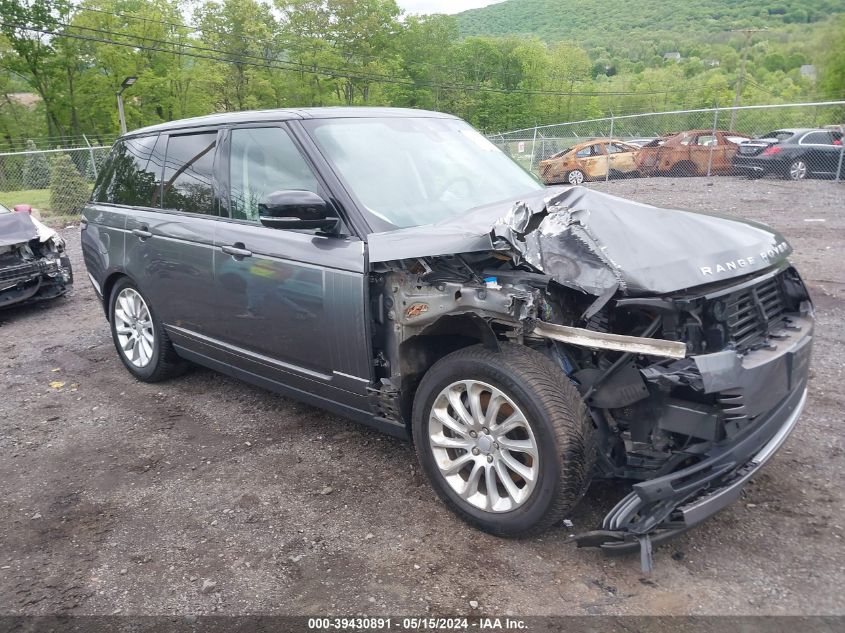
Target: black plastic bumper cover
[{"x": 666, "y": 506}]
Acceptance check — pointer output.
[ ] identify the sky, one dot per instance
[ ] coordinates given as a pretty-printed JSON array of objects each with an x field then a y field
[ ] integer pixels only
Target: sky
[{"x": 442, "y": 6}]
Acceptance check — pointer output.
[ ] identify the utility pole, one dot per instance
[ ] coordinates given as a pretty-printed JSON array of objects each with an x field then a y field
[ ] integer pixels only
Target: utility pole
[{"x": 741, "y": 79}]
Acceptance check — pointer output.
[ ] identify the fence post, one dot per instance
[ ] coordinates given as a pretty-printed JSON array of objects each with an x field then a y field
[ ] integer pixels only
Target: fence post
[
  {"x": 91, "y": 156},
  {"x": 607, "y": 171},
  {"x": 533, "y": 144},
  {"x": 841, "y": 154},
  {"x": 713, "y": 142}
]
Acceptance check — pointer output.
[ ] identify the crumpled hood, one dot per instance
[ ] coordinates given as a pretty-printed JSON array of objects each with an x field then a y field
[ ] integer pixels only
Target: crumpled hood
[
  {"x": 597, "y": 243},
  {"x": 19, "y": 228}
]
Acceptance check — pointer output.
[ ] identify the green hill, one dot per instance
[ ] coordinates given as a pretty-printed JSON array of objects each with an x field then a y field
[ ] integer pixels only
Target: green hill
[{"x": 638, "y": 29}]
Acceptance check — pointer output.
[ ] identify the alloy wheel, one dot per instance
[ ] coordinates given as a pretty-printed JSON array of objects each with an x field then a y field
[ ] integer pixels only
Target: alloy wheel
[
  {"x": 798, "y": 170},
  {"x": 134, "y": 327},
  {"x": 484, "y": 446},
  {"x": 575, "y": 177}
]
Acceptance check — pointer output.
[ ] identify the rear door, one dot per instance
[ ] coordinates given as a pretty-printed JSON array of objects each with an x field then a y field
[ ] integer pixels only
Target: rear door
[
  {"x": 290, "y": 305},
  {"x": 592, "y": 160},
  {"x": 821, "y": 154},
  {"x": 170, "y": 242}
]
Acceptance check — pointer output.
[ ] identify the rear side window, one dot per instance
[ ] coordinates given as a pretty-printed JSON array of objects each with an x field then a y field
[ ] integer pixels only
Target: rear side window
[
  {"x": 188, "y": 173},
  {"x": 129, "y": 177},
  {"x": 817, "y": 138}
]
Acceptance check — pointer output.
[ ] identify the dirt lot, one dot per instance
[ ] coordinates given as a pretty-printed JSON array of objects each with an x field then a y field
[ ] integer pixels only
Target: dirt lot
[{"x": 122, "y": 497}]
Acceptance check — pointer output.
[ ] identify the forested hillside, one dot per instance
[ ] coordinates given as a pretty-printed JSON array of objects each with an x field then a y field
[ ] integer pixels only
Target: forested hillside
[
  {"x": 518, "y": 63},
  {"x": 640, "y": 27}
]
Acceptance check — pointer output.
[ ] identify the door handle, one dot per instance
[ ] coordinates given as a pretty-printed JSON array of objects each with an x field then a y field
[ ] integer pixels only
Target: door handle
[
  {"x": 237, "y": 251},
  {"x": 142, "y": 233}
]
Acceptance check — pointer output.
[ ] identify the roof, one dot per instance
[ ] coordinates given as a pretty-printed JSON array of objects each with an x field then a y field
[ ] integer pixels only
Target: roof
[{"x": 286, "y": 114}]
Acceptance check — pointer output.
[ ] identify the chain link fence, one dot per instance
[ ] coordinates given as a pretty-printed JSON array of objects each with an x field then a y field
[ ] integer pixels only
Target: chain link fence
[
  {"x": 55, "y": 183},
  {"x": 706, "y": 142}
]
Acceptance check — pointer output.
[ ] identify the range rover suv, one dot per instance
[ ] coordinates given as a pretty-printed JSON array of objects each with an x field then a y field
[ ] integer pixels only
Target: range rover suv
[{"x": 395, "y": 267}]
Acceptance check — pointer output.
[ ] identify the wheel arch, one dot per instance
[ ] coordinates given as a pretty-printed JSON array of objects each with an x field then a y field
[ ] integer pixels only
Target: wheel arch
[
  {"x": 448, "y": 334},
  {"x": 108, "y": 284}
]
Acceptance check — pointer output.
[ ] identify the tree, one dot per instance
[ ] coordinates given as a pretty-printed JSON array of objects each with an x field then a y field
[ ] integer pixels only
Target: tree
[
  {"x": 36, "y": 169},
  {"x": 68, "y": 191}
]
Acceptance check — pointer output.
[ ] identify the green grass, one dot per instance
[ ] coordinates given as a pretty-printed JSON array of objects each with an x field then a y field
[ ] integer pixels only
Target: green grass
[{"x": 36, "y": 198}]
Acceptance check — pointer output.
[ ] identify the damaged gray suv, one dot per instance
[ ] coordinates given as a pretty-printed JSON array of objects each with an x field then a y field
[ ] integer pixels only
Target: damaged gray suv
[{"x": 396, "y": 268}]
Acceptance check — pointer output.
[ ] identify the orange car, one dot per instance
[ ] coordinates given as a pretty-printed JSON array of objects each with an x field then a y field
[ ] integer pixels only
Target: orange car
[
  {"x": 690, "y": 153},
  {"x": 590, "y": 160}
]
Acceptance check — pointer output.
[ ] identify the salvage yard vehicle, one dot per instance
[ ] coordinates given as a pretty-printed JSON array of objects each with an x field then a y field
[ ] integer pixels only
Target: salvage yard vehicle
[
  {"x": 691, "y": 153},
  {"x": 591, "y": 160},
  {"x": 33, "y": 263},
  {"x": 795, "y": 154},
  {"x": 395, "y": 267}
]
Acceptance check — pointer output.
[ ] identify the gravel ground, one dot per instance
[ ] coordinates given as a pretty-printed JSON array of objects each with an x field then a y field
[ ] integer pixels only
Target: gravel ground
[{"x": 206, "y": 495}]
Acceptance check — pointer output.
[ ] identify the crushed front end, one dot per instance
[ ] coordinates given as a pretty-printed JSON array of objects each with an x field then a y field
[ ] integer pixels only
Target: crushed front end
[
  {"x": 33, "y": 262},
  {"x": 688, "y": 336},
  {"x": 690, "y": 432}
]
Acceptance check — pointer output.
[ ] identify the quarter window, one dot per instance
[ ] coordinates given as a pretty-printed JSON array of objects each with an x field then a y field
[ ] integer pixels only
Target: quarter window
[
  {"x": 264, "y": 160},
  {"x": 130, "y": 177},
  {"x": 817, "y": 138},
  {"x": 188, "y": 173}
]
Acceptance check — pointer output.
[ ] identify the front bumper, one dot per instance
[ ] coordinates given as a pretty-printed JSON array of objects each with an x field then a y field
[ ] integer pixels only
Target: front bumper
[
  {"x": 775, "y": 382},
  {"x": 38, "y": 280},
  {"x": 670, "y": 505}
]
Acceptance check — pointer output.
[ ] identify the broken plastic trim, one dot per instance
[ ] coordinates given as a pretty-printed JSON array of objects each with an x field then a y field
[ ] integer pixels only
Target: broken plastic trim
[{"x": 616, "y": 342}]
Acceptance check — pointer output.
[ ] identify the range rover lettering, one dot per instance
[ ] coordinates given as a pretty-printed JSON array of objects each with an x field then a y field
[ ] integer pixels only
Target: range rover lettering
[{"x": 395, "y": 267}]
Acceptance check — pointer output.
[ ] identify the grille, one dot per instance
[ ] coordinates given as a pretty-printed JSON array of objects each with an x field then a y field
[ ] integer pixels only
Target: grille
[
  {"x": 19, "y": 272},
  {"x": 754, "y": 313}
]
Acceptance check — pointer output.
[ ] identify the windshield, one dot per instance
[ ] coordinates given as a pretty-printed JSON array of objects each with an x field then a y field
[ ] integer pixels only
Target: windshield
[{"x": 412, "y": 171}]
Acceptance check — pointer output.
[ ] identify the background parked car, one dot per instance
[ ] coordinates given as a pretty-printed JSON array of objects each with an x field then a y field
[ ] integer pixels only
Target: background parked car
[
  {"x": 590, "y": 160},
  {"x": 690, "y": 153},
  {"x": 791, "y": 153}
]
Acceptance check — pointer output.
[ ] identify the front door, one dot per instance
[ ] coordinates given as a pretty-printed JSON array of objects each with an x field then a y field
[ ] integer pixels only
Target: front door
[{"x": 290, "y": 304}]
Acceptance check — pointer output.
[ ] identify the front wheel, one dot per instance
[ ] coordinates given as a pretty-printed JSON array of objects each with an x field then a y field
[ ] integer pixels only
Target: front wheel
[
  {"x": 504, "y": 438},
  {"x": 139, "y": 336}
]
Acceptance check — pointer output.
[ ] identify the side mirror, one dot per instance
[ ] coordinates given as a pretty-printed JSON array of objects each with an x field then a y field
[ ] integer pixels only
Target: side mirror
[{"x": 295, "y": 209}]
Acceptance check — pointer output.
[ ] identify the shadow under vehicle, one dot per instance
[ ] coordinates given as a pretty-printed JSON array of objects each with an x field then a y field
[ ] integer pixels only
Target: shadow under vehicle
[{"x": 395, "y": 267}]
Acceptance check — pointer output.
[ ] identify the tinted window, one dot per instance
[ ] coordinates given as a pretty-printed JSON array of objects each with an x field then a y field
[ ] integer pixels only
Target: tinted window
[
  {"x": 128, "y": 176},
  {"x": 264, "y": 160},
  {"x": 817, "y": 138},
  {"x": 780, "y": 135},
  {"x": 188, "y": 173}
]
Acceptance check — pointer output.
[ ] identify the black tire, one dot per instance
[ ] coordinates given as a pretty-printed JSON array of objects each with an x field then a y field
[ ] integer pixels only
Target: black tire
[
  {"x": 557, "y": 416},
  {"x": 164, "y": 362}
]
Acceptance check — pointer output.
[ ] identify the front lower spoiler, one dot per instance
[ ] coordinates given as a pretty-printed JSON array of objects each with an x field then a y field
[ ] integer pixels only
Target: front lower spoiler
[{"x": 662, "y": 508}]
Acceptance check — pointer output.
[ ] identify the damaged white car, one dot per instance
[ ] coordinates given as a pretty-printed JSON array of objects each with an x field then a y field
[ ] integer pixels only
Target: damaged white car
[
  {"x": 33, "y": 263},
  {"x": 395, "y": 267}
]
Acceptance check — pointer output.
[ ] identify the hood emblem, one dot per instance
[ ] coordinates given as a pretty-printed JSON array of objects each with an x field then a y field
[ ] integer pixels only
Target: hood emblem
[{"x": 743, "y": 262}]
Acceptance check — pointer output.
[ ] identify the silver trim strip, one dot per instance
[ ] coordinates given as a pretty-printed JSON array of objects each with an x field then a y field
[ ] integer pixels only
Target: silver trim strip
[{"x": 616, "y": 342}]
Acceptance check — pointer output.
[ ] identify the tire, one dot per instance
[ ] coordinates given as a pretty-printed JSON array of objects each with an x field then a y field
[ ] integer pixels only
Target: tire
[
  {"x": 798, "y": 170},
  {"x": 556, "y": 424},
  {"x": 151, "y": 357},
  {"x": 575, "y": 177}
]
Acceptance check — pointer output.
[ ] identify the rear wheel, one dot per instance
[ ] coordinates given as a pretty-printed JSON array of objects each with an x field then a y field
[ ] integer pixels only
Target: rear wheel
[
  {"x": 139, "y": 336},
  {"x": 504, "y": 438},
  {"x": 575, "y": 177},
  {"x": 798, "y": 170}
]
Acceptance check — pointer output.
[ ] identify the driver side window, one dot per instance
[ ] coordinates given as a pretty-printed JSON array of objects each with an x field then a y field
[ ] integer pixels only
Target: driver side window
[{"x": 264, "y": 160}]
